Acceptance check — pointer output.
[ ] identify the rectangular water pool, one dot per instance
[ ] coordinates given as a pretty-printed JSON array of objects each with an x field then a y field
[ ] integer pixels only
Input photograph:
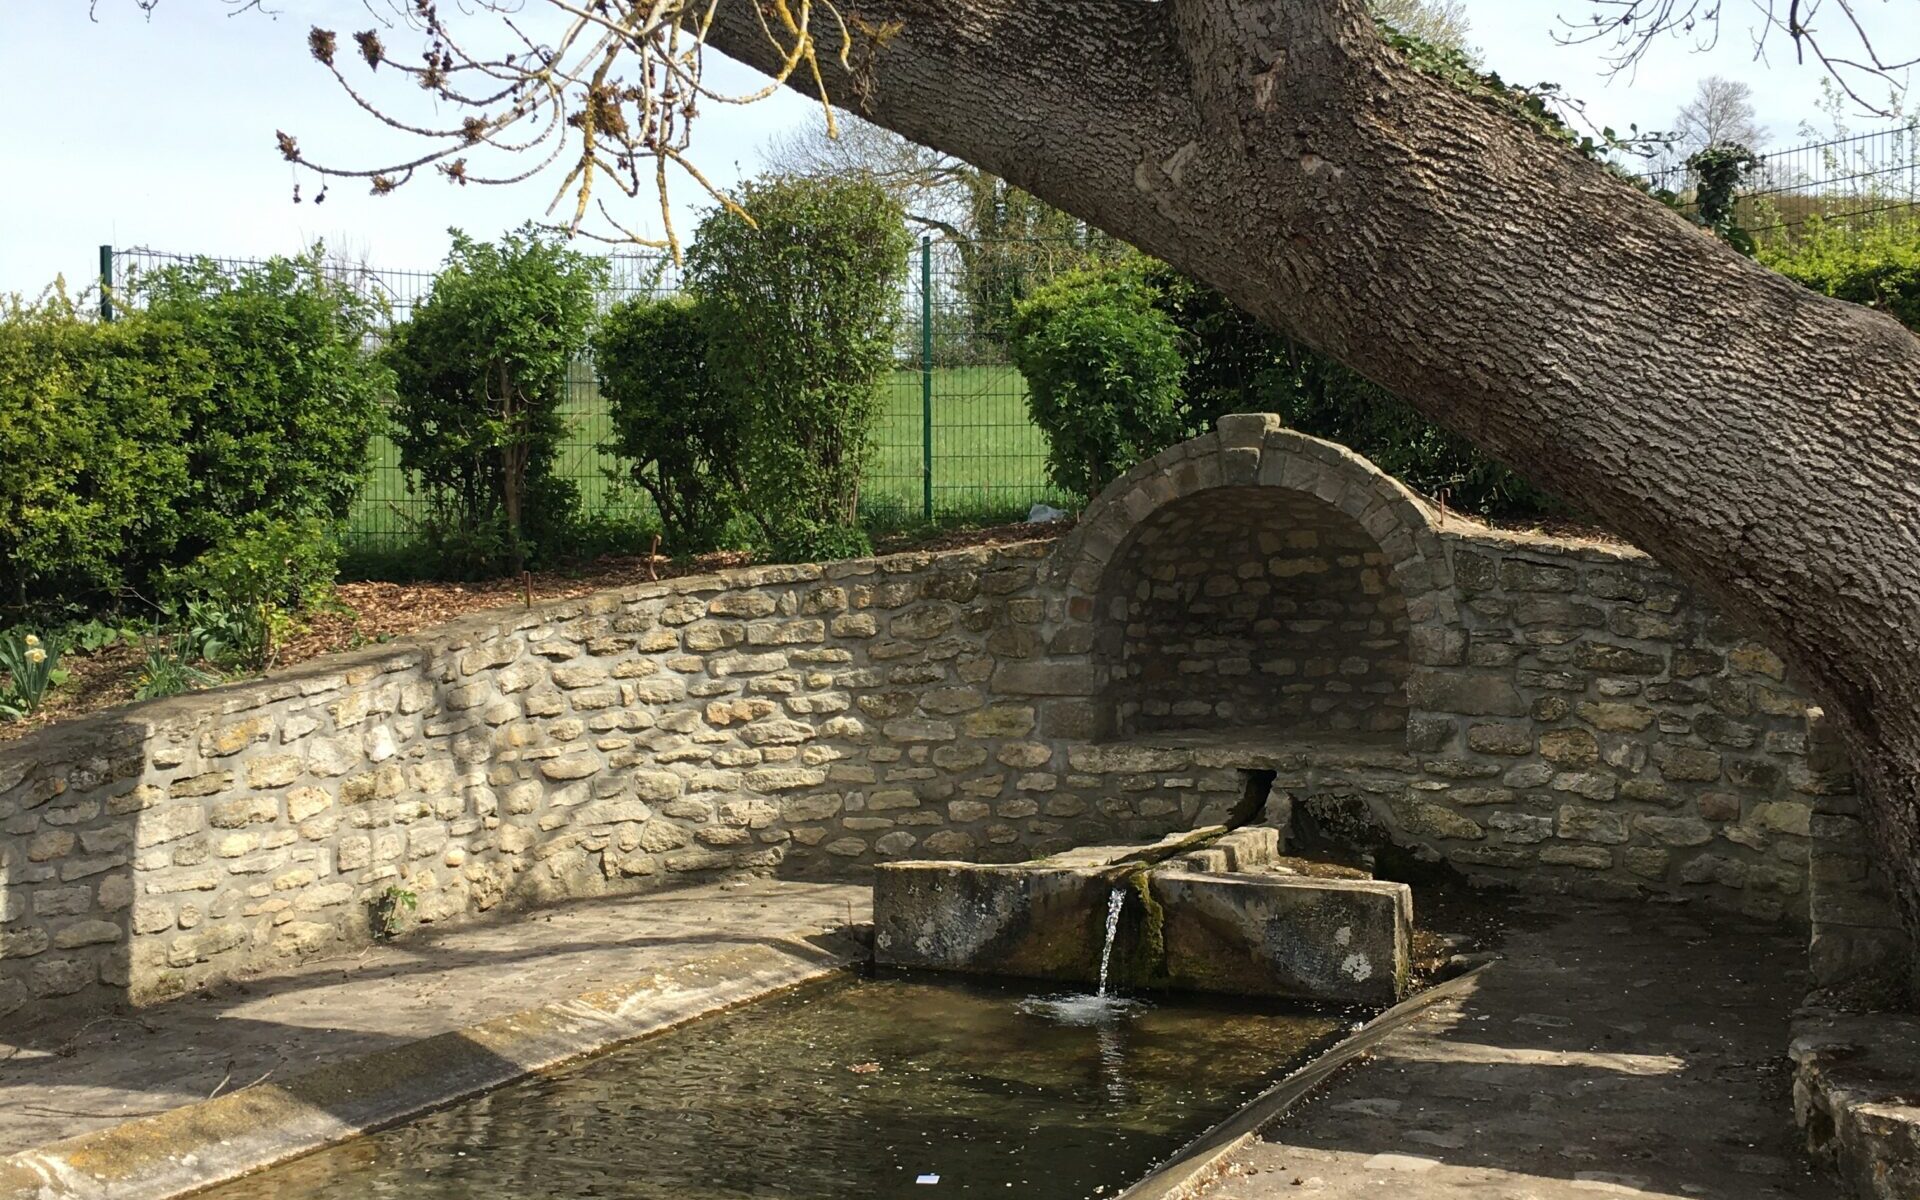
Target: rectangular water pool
[{"x": 849, "y": 1089}]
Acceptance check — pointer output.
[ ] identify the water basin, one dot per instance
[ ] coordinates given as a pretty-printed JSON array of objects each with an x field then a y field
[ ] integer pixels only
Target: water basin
[{"x": 859, "y": 1087}]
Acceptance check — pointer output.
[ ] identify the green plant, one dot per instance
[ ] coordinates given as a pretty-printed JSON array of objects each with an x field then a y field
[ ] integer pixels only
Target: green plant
[
  {"x": 296, "y": 395},
  {"x": 1720, "y": 170},
  {"x": 481, "y": 370},
  {"x": 32, "y": 667},
  {"x": 92, "y": 428},
  {"x": 389, "y": 911},
  {"x": 96, "y": 634},
  {"x": 169, "y": 672},
  {"x": 681, "y": 433},
  {"x": 1129, "y": 358},
  {"x": 799, "y": 295},
  {"x": 241, "y": 595},
  {"x": 1103, "y": 370},
  {"x": 1878, "y": 265}
]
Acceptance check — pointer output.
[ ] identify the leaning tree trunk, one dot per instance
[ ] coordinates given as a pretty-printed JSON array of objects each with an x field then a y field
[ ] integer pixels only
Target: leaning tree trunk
[{"x": 1761, "y": 440}]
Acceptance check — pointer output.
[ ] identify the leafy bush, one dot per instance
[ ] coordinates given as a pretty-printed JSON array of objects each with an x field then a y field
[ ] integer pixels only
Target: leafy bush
[
  {"x": 1095, "y": 350},
  {"x": 800, "y": 304},
  {"x": 1878, "y": 266},
  {"x": 481, "y": 371},
  {"x": 92, "y": 425},
  {"x": 169, "y": 671},
  {"x": 241, "y": 596},
  {"x": 681, "y": 432},
  {"x": 32, "y": 668},
  {"x": 1103, "y": 371},
  {"x": 295, "y": 396}
]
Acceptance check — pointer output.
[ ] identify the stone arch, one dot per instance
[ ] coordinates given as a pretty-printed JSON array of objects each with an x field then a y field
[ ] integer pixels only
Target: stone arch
[{"x": 1379, "y": 595}]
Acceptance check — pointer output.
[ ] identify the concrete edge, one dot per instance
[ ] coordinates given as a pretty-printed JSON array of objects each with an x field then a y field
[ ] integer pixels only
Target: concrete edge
[
  {"x": 199, "y": 1145},
  {"x": 1201, "y": 1160}
]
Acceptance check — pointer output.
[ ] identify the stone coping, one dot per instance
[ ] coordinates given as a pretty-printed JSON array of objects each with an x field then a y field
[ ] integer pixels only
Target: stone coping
[
  {"x": 186, "y": 1149},
  {"x": 1856, "y": 1095}
]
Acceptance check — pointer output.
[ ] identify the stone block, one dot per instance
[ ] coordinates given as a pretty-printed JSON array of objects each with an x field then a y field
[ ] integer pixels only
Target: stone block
[{"x": 1297, "y": 938}]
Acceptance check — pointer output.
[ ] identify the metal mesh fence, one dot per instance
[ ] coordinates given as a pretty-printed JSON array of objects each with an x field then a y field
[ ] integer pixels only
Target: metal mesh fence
[
  {"x": 953, "y": 435},
  {"x": 1856, "y": 180}
]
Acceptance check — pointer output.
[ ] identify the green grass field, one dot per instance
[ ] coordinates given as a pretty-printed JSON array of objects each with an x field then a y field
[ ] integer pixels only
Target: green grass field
[{"x": 987, "y": 456}]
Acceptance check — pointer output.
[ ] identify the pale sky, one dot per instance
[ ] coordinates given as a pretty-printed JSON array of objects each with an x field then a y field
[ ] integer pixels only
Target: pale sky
[{"x": 159, "y": 131}]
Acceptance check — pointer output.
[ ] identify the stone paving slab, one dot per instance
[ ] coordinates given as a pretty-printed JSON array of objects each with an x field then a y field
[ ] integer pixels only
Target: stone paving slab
[
  {"x": 1614, "y": 1053},
  {"x": 65, "y": 1078}
]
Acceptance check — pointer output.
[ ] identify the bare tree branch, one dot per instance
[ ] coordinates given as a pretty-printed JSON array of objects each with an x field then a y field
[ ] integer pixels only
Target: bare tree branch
[{"x": 1840, "y": 44}]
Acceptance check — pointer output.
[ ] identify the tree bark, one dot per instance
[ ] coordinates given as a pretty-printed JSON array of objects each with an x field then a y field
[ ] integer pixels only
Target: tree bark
[{"x": 1759, "y": 439}]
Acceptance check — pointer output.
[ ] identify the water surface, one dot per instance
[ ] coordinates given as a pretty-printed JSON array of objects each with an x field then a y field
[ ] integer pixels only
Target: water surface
[{"x": 851, "y": 1089}]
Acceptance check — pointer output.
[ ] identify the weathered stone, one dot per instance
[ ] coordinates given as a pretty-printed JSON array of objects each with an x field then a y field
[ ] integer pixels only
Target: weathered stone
[
  {"x": 1675, "y": 831},
  {"x": 1569, "y": 747},
  {"x": 1500, "y": 739},
  {"x": 1469, "y": 695},
  {"x": 1583, "y": 824},
  {"x": 1614, "y": 717},
  {"x": 1687, "y": 764}
]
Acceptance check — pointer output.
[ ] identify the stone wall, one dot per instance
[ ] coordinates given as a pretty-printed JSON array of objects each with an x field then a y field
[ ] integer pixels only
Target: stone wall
[
  {"x": 1573, "y": 720},
  {"x": 1595, "y": 716},
  {"x": 1255, "y": 607},
  {"x": 806, "y": 718}
]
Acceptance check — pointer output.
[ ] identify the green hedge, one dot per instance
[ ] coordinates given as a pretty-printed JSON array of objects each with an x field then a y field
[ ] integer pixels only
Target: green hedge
[
  {"x": 93, "y": 431},
  {"x": 1126, "y": 359},
  {"x": 1878, "y": 266},
  {"x": 220, "y": 404}
]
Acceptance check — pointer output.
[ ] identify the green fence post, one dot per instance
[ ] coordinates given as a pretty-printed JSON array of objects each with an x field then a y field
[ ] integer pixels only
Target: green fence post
[
  {"x": 106, "y": 283},
  {"x": 926, "y": 377}
]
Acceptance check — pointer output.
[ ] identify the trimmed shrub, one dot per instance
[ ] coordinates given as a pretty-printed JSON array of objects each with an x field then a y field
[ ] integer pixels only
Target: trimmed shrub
[
  {"x": 296, "y": 397},
  {"x": 93, "y": 426},
  {"x": 243, "y": 594},
  {"x": 1127, "y": 359},
  {"x": 680, "y": 431},
  {"x": 800, "y": 303},
  {"x": 481, "y": 371},
  {"x": 1878, "y": 266},
  {"x": 1103, "y": 370}
]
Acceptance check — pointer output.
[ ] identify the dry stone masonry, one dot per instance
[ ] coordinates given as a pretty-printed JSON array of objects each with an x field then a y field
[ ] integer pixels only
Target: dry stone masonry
[
  {"x": 1250, "y": 607},
  {"x": 1537, "y": 713}
]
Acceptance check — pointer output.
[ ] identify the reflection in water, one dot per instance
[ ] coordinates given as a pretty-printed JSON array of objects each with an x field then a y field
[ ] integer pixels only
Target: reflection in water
[{"x": 995, "y": 1092}]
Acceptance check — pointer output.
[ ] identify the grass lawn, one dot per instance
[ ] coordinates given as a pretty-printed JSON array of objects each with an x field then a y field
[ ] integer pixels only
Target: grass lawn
[{"x": 987, "y": 456}]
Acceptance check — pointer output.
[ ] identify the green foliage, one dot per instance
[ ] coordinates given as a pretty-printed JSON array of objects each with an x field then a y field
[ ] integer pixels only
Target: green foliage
[
  {"x": 1103, "y": 370},
  {"x": 92, "y": 424},
  {"x": 242, "y": 595},
  {"x": 227, "y": 397},
  {"x": 170, "y": 671},
  {"x": 1878, "y": 266},
  {"x": 1126, "y": 360},
  {"x": 31, "y": 665},
  {"x": 682, "y": 433},
  {"x": 481, "y": 370},
  {"x": 1018, "y": 243},
  {"x": 295, "y": 398},
  {"x": 800, "y": 305},
  {"x": 1720, "y": 171},
  {"x": 389, "y": 911}
]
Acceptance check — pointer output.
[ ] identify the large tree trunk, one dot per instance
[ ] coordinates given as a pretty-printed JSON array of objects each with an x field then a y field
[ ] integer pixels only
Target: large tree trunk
[{"x": 1761, "y": 440}]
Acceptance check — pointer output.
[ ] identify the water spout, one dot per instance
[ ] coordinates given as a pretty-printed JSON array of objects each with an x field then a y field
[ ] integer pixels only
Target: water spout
[{"x": 1116, "y": 902}]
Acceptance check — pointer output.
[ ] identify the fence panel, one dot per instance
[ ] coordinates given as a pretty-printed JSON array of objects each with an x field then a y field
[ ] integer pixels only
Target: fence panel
[
  {"x": 1855, "y": 180},
  {"x": 952, "y": 439}
]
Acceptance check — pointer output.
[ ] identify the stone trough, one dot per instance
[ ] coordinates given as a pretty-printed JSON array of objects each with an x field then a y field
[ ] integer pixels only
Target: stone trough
[{"x": 1209, "y": 910}]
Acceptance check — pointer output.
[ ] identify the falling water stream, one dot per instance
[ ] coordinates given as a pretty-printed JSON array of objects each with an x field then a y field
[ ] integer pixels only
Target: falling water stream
[{"x": 1116, "y": 903}]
